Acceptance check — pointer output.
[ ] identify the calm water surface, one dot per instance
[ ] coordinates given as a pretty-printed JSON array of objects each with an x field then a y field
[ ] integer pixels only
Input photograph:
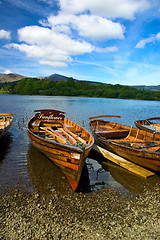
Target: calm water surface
[{"x": 21, "y": 165}]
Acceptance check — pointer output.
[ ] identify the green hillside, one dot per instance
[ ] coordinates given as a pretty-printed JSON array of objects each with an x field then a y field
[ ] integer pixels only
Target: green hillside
[{"x": 70, "y": 87}]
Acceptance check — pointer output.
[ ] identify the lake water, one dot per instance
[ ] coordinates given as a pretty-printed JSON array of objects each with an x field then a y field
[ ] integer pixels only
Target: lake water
[{"x": 22, "y": 166}]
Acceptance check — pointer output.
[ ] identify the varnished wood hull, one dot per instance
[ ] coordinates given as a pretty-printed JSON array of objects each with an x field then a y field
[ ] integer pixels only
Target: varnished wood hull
[
  {"x": 69, "y": 158},
  {"x": 5, "y": 123},
  {"x": 127, "y": 148}
]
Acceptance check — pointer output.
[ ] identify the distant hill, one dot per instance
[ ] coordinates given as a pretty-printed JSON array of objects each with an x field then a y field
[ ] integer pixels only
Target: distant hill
[
  {"x": 11, "y": 77},
  {"x": 148, "y": 88},
  {"x": 57, "y": 77}
]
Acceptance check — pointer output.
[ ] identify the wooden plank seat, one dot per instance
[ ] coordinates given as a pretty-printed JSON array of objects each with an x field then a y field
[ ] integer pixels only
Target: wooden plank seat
[
  {"x": 73, "y": 129},
  {"x": 119, "y": 133}
]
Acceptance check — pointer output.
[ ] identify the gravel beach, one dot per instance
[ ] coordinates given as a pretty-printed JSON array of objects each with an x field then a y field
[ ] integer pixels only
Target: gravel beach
[{"x": 104, "y": 214}]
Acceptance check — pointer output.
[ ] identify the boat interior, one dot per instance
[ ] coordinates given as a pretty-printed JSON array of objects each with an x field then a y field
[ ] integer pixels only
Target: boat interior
[
  {"x": 128, "y": 136},
  {"x": 110, "y": 129},
  {"x": 63, "y": 131}
]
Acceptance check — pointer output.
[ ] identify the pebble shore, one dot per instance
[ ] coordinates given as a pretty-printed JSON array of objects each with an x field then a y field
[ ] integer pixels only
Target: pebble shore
[{"x": 99, "y": 215}]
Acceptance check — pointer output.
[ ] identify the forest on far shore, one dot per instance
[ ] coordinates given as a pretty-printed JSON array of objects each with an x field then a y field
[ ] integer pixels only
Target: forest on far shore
[{"x": 71, "y": 87}]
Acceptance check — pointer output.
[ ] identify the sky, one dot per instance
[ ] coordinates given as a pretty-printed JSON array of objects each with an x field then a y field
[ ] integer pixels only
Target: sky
[{"x": 109, "y": 41}]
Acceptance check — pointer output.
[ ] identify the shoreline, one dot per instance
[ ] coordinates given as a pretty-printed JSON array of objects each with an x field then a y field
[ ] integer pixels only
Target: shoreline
[{"x": 103, "y": 214}]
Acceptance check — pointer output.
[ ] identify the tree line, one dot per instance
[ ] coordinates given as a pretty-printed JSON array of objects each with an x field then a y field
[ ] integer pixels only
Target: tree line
[{"x": 32, "y": 86}]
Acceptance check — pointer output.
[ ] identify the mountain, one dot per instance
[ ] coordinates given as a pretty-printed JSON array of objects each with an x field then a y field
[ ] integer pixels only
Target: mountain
[
  {"x": 57, "y": 77},
  {"x": 11, "y": 77}
]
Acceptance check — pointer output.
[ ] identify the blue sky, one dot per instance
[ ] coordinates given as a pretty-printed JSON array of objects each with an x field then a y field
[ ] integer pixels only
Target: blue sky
[{"x": 110, "y": 41}]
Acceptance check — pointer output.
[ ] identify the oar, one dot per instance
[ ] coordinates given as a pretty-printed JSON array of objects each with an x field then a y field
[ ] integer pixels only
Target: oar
[
  {"x": 70, "y": 138},
  {"x": 5, "y": 114},
  {"x": 102, "y": 116},
  {"x": 75, "y": 136},
  {"x": 56, "y": 135}
]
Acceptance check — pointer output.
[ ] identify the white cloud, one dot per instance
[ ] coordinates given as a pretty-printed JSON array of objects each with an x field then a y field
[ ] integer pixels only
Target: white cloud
[
  {"x": 88, "y": 26},
  {"x": 158, "y": 36},
  {"x": 52, "y": 48},
  {"x": 73, "y": 31},
  {"x": 98, "y": 28},
  {"x": 7, "y": 71},
  {"x": 5, "y": 34},
  {"x": 47, "y": 38},
  {"x": 143, "y": 42},
  {"x": 106, "y": 8}
]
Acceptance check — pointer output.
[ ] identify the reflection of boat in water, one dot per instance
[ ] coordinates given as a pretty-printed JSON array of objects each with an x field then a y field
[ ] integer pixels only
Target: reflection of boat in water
[
  {"x": 47, "y": 177},
  {"x": 5, "y": 143},
  {"x": 130, "y": 181}
]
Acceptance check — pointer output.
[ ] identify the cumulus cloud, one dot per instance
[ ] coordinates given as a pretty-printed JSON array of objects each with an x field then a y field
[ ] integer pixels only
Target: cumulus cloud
[
  {"x": 105, "y": 8},
  {"x": 78, "y": 28},
  {"x": 88, "y": 26},
  {"x": 53, "y": 48},
  {"x": 152, "y": 39},
  {"x": 5, "y": 34}
]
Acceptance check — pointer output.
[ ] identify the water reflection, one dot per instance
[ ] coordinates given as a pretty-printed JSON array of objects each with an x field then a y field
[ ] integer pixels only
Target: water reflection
[
  {"x": 121, "y": 178},
  {"x": 5, "y": 143},
  {"x": 24, "y": 167},
  {"x": 46, "y": 177}
]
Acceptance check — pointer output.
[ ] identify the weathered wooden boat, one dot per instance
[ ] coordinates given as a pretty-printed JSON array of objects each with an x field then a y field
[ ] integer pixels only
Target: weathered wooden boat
[
  {"x": 6, "y": 120},
  {"x": 138, "y": 146},
  {"x": 64, "y": 142},
  {"x": 149, "y": 124}
]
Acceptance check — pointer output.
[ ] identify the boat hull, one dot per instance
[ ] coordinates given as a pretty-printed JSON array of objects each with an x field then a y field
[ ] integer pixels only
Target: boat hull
[
  {"x": 68, "y": 157},
  {"x": 123, "y": 147},
  {"x": 69, "y": 160}
]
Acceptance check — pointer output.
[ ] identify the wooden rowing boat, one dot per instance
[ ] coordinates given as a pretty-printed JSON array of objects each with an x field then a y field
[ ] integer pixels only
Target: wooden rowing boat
[
  {"x": 138, "y": 146},
  {"x": 6, "y": 120},
  {"x": 149, "y": 124},
  {"x": 64, "y": 142}
]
